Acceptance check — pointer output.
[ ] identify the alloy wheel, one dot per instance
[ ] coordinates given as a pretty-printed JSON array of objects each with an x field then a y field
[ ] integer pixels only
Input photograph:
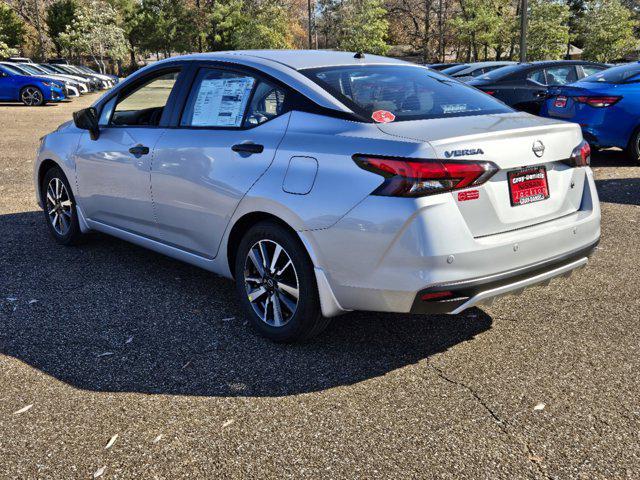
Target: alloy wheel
[
  {"x": 59, "y": 206},
  {"x": 31, "y": 96},
  {"x": 271, "y": 283}
]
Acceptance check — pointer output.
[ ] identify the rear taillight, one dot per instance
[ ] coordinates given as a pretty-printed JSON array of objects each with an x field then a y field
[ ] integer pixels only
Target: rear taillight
[
  {"x": 417, "y": 178},
  {"x": 489, "y": 92},
  {"x": 581, "y": 155},
  {"x": 598, "y": 102}
]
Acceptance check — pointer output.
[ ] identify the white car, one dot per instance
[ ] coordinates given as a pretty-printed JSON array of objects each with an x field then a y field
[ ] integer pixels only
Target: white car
[{"x": 325, "y": 182}]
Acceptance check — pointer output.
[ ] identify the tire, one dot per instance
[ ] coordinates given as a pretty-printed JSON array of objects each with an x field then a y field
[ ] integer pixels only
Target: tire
[
  {"x": 60, "y": 211},
  {"x": 268, "y": 295},
  {"x": 633, "y": 148},
  {"x": 32, "y": 97}
]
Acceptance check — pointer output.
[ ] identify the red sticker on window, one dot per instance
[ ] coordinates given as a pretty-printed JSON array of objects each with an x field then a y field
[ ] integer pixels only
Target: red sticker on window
[
  {"x": 382, "y": 116},
  {"x": 468, "y": 195}
]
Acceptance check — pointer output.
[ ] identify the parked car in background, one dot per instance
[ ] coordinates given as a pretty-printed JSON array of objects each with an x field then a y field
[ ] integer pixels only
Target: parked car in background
[
  {"x": 71, "y": 87},
  {"x": 441, "y": 66},
  {"x": 94, "y": 82},
  {"x": 104, "y": 81},
  {"x": 469, "y": 71},
  {"x": 606, "y": 105},
  {"x": 525, "y": 86},
  {"x": 28, "y": 89},
  {"x": 324, "y": 182},
  {"x": 19, "y": 60},
  {"x": 113, "y": 78},
  {"x": 85, "y": 82}
]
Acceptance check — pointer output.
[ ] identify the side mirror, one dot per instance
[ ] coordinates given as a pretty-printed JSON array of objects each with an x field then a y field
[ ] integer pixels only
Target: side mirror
[{"x": 87, "y": 119}]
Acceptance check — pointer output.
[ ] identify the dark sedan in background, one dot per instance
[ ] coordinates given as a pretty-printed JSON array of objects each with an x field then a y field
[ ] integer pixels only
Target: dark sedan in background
[{"x": 525, "y": 86}]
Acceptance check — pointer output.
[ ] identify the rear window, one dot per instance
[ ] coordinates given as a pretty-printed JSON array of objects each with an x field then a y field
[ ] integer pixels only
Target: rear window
[
  {"x": 407, "y": 92},
  {"x": 502, "y": 72},
  {"x": 619, "y": 74},
  {"x": 456, "y": 69}
]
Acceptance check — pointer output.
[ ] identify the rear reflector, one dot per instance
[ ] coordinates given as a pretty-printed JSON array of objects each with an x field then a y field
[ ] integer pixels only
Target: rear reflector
[
  {"x": 417, "y": 178},
  {"x": 598, "y": 102},
  {"x": 435, "y": 296}
]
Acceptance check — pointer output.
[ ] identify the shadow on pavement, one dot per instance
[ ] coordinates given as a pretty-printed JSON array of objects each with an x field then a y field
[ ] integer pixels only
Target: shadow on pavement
[
  {"x": 611, "y": 157},
  {"x": 109, "y": 316},
  {"x": 619, "y": 190}
]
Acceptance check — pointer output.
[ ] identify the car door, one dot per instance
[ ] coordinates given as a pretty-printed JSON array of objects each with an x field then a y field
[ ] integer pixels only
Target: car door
[
  {"x": 8, "y": 88},
  {"x": 113, "y": 171},
  {"x": 225, "y": 138}
]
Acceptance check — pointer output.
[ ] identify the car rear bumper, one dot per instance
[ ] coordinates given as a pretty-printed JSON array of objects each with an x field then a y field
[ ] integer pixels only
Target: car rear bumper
[{"x": 373, "y": 260}]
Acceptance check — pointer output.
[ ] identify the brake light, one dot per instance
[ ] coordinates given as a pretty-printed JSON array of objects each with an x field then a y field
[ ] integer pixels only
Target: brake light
[
  {"x": 418, "y": 178},
  {"x": 581, "y": 155},
  {"x": 489, "y": 92},
  {"x": 598, "y": 102}
]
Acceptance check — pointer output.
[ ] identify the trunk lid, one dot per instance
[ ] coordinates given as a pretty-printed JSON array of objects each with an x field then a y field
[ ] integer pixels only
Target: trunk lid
[{"x": 507, "y": 140}]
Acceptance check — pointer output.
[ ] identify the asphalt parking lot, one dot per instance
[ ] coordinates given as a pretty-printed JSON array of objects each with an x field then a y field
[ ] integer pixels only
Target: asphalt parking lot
[{"x": 109, "y": 339}]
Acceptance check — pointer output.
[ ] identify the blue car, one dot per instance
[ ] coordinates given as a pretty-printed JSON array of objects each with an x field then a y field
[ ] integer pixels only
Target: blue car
[
  {"x": 32, "y": 91},
  {"x": 605, "y": 104}
]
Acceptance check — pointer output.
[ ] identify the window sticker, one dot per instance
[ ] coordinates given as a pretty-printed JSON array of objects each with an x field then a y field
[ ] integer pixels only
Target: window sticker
[
  {"x": 221, "y": 102},
  {"x": 454, "y": 108},
  {"x": 383, "y": 116}
]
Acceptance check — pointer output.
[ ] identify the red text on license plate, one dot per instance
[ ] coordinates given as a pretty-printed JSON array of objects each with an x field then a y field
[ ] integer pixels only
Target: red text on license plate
[
  {"x": 528, "y": 185},
  {"x": 560, "y": 101}
]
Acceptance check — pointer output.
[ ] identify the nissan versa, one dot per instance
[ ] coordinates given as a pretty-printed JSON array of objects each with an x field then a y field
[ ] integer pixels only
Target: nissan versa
[{"x": 325, "y": 182}]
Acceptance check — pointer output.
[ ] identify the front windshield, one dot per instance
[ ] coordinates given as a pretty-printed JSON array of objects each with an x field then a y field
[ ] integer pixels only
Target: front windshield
[
  {"x": 402, "y": 92},
  {"x": 614, "y": 75},
  {"x": 30, "y": 69},
  {"x": 11, "y": 70}
]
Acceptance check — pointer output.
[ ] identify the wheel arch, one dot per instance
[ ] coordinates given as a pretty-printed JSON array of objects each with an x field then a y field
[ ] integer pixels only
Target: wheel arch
[
  {"x": 46, "y": 165},
  {"x": 242, "y": 225}
]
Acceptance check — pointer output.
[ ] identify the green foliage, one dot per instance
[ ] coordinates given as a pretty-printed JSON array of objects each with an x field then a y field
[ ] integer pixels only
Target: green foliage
[
  {"x": 58, "y": 16},
  {"x": 607, "y": 30},
  {"x": 5, "y": 51},
  {"x": 548, "y": 32},
  {"x": 364, "y": 27},
  {"x": 12, "y": 30},
  {"x": 95, "y": 32},
  {"x": 264, "y": 25},
  {"x": 487, "y": 26}
]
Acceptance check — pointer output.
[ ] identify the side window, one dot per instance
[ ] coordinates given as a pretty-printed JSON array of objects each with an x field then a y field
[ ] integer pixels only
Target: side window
[
  {"x": 267, "y": 103},
  {"x": 537, "y": 76},
  {"x": 145, "y": 104},
  {"x": 218, "y": 99},
  {"x": 591, "y": 69},
  {"x": 561, "y": 75}
]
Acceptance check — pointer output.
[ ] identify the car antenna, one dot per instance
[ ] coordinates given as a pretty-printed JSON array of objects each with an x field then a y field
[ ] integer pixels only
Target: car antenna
[{"x": 359, "y": 55}]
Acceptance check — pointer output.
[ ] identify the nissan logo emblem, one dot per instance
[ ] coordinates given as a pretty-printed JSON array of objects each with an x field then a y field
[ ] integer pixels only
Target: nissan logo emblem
[{"x": 538, "y": 148}]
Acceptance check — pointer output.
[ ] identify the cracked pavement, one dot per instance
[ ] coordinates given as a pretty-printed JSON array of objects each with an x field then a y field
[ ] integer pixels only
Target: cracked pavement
[{"x": 108, "y": 338}]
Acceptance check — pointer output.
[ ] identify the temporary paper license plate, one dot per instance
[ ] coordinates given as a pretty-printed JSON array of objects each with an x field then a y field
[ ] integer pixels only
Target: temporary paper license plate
[
  {"x": 528, "y": 185},
  {"x": 560, "y": 101}
]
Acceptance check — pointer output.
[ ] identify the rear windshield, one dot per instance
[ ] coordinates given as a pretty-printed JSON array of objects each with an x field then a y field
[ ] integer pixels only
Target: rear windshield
[
  {"x": 405, "y": 91},
  {"x": 614, "y": 75},
  {"x": 501, "y": 72},
  {"x": 455, "y": 69}
]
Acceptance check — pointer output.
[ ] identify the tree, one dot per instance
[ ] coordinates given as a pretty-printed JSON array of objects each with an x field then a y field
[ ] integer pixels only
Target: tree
[
  {"x": 59, "y": 15},
  {"x": 263, "y": 24},
  {"x": 607, "y": 29},
  {"x": 357, "y": 25},
  {"x": 548, "y": 32},
  {"x": 94, "y": 32},
  {"x": 12, "y": 29},
  {"x": 5, "y": 50}
]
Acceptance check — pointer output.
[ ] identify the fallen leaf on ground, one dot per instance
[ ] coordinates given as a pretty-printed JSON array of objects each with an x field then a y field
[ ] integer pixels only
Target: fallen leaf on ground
[
  {"x": 129, "y": 340},
  {"x": 227, "y": 423},
  {"x": 186, "y": 365},
  {"x": 539, "y": 407},
  {"x": 228, "y": 319},
  {"x": 535, "y": 458},
  {"x": 111, "y": 442},
  {"x": 23, "y": 410},
  {"x": 105, "y": 354},
  {"x": 31, "y": 302},
  {"x": 99, "y": 472},
  {"x": 157, "y": 439},
  {"x": 12, "y": 299}
]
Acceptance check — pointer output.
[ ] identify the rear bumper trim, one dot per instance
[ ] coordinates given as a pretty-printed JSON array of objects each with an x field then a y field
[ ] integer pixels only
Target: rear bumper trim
[{"x": 468, "y": 293}]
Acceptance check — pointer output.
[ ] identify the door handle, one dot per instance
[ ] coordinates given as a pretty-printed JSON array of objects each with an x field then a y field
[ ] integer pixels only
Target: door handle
[
  {"x": 139, "y": 150},
  {"x": 248, "y": 148}
]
